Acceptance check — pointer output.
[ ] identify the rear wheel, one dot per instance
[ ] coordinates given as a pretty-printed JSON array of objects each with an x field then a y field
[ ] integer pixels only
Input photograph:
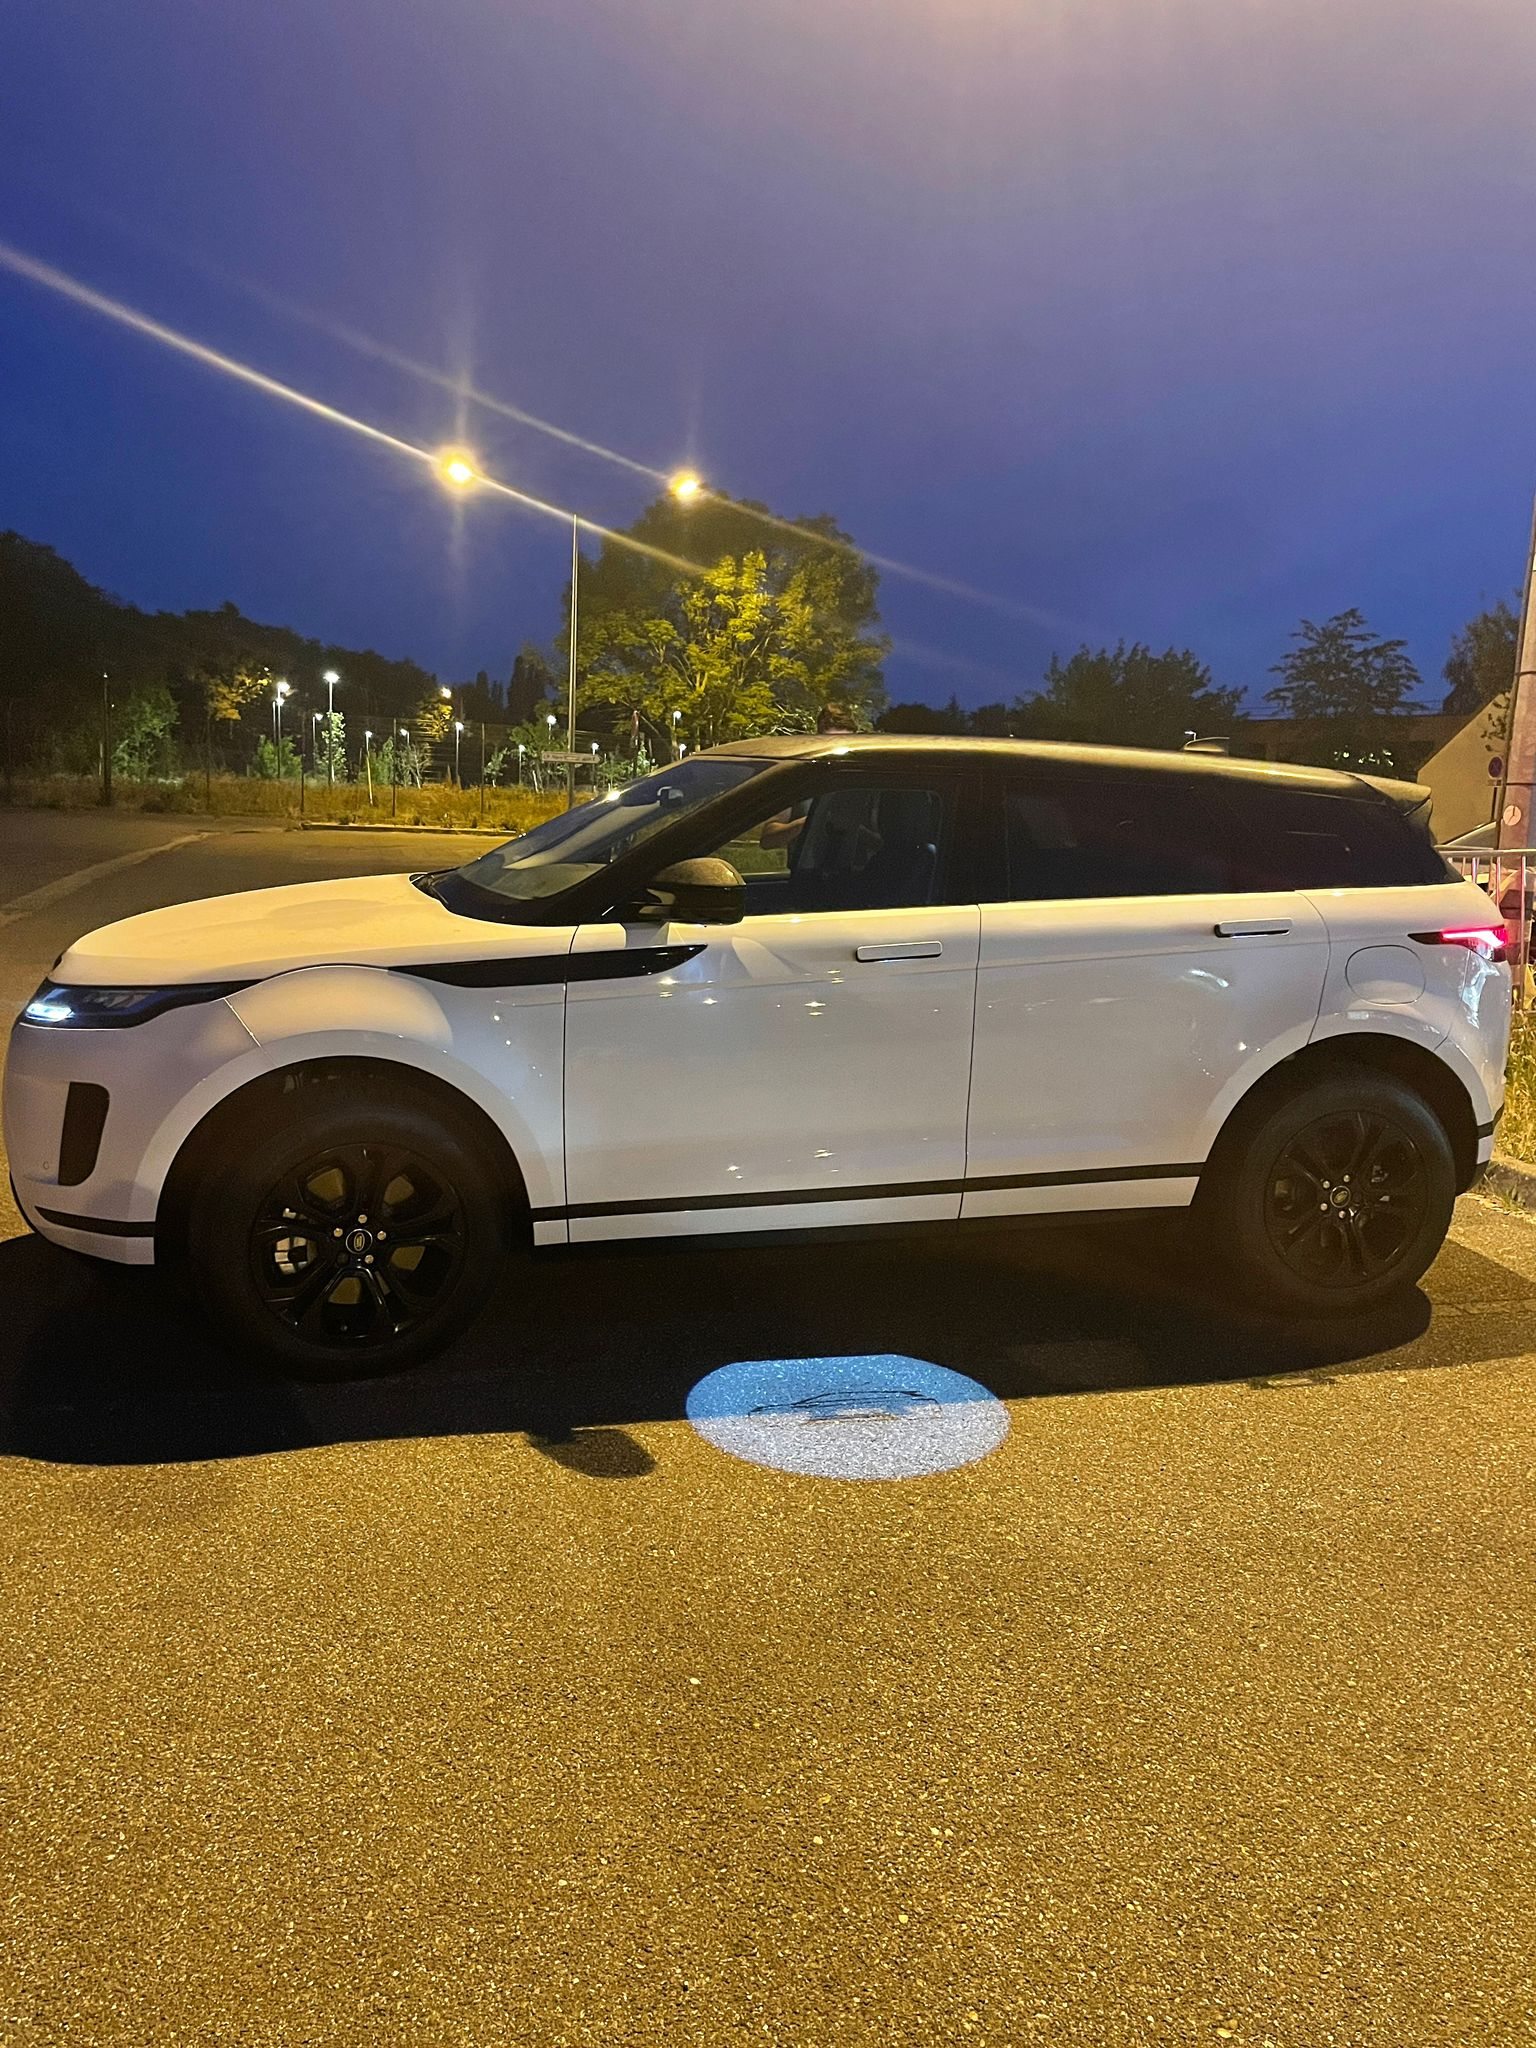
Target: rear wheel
[
  {"x": 1335, "y": 1198},
  {"x": 357, "y": 1239}
]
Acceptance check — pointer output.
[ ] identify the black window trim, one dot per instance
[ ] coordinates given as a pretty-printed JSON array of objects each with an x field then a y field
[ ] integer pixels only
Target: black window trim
[{"x": 1222, "y": 800}]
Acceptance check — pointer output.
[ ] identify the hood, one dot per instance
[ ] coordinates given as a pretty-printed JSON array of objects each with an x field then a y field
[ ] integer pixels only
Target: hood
[{"x": 376, "y": 920}]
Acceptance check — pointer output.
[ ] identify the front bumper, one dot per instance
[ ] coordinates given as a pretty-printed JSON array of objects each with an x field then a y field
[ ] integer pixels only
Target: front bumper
[{"x": 147, "y": 1071}]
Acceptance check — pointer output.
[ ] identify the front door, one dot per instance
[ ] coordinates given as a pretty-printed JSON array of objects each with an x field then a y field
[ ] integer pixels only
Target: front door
[{"x": 806, "y": 1067}]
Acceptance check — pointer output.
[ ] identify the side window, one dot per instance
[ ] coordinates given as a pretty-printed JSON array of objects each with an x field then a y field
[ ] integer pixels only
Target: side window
[
  {"x": 1085, "y": 836},
  {"x": 864, "y": 846},
  {"x": 1306, "y": 839}
]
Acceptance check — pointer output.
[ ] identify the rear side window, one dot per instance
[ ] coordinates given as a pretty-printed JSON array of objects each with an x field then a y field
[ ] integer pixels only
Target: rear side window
[
  {"x": 1081, "y": 837},
  {"x": 1302, "y": 839},
  {"x": 1171, "y": 836}
]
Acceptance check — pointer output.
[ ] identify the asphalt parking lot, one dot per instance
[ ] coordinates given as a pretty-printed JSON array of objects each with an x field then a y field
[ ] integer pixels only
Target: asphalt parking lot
[{"x": 501, "y": 1704}]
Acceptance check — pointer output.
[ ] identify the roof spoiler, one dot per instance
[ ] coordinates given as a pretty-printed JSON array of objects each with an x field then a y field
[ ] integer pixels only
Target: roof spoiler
[{"x": 1413, "y": 799}]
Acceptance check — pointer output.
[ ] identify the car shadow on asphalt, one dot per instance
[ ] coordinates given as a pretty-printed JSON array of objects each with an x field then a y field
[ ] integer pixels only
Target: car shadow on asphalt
[{"x": 103, "y": 1365}]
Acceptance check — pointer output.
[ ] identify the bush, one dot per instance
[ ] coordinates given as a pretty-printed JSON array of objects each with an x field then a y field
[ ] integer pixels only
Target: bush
[{"x": 233, "y": 796}]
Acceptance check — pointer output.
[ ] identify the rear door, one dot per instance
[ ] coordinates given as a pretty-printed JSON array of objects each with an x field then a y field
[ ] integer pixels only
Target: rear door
[{"x": 1128, "y": 992}]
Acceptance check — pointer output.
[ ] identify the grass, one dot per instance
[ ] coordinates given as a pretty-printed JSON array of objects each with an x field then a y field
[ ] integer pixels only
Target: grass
[
  {"x": 1517, "y": 1133},
  {"x": 242, "y": 796}
]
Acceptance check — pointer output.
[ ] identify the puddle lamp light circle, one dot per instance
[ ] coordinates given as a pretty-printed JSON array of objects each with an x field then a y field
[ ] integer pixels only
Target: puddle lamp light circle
[{"x": 879, "y": 1417}]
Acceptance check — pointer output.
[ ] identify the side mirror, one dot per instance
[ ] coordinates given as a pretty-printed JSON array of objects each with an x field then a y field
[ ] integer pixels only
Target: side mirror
[{"x": 692, "y": 892}]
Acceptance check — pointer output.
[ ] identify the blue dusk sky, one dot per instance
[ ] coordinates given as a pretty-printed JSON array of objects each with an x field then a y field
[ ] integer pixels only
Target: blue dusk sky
[{"x": 1170, "y": 319}]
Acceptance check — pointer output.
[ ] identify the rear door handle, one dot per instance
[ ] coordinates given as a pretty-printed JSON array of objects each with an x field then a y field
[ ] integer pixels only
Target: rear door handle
[
  {"x": 901, "y": 949},
  {"x": 1254, "y": 928}
]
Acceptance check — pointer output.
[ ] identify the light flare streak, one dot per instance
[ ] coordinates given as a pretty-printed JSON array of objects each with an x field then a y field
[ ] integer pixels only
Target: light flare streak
[{"x": 20, "y": 264}]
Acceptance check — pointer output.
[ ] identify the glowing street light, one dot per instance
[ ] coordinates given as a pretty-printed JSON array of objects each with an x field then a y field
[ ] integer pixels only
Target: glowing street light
[
  {"x": 686, "y": 486},
  {"x": 368, "y": 761},
  {"x": 330, "y": 680},
  {"x": 458, "y": 730},
  {"x": 677, "y": 718},
  {"x": 279, "y": 692},
  {"x": 457, "y": 468}
]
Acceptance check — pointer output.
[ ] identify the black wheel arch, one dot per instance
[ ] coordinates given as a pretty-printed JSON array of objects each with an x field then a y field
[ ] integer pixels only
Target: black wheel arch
[
  {"x": 1370, "y": 1052},
  {"x": 286, "y": 1095}
]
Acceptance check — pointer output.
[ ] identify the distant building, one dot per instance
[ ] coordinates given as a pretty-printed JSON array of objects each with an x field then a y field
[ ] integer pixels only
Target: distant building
[{"x": 1422, "y": 735}]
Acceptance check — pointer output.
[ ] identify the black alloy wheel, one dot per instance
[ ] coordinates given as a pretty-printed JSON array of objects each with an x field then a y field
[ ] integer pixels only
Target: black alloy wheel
[
  {"x": 1330, "y": 1199},
  {"x": 357, "y": 1236},
  {"x": 356, "y": 1246},
  {"x": 1346, "y": 1198}
]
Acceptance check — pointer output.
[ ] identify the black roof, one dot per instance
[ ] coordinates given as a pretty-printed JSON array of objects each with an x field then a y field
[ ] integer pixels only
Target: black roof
[{"x": 1056, "y": 754}]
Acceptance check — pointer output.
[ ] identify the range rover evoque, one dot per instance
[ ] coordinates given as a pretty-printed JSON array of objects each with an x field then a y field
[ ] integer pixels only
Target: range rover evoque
[{"x": 786, "y": 984}]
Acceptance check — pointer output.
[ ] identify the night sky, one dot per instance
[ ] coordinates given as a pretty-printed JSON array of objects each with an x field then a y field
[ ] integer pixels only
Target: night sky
[{"x": 1171, "y": 319}]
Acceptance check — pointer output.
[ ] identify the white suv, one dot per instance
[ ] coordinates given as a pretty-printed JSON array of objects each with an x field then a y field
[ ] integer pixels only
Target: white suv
[{"x": 787, "y": 984}]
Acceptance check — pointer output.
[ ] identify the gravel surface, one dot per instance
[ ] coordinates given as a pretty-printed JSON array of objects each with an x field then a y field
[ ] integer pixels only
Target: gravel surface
[{"x": 500, "y": 1706}]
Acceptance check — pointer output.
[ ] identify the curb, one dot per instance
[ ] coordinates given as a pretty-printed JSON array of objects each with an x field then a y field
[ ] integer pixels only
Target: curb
[
  {"x": 439, "y": 831},
  {"x": 1512, "y": 1179}
]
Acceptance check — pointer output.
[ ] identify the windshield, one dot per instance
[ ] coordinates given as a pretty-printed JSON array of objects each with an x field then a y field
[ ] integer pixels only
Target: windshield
[{"x": 565, "y": 850}]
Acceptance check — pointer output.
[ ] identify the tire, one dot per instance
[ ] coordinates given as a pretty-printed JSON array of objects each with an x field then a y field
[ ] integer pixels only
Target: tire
[
  {"x": 358, "y": 1238},
  {"x": 1331, "y": 1200}
]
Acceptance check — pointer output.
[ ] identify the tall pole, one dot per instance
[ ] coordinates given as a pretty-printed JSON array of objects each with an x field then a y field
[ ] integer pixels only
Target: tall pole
[
  {"x": 331, "y": 680},
  {"x": 482, "y": 771},
  {"x": 1517, "y": 784},
  {"x": 570, "y": 686},
  {"x": 106, "y": 740}
]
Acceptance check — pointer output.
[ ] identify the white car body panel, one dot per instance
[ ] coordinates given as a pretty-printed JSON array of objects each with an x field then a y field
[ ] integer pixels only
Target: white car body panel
[
  {"x": 1447, "y": 999},
  {"x": 502, "y": 1048},
  {"x": 1105, "y": 1031},
  {"x": 774, "y": 1062}
]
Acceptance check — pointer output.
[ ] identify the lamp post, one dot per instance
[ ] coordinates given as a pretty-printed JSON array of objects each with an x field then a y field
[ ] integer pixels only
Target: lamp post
[
  {"x": 394, "y": 787},
  {"x": 278, "y": 694},
  {"x": 570, "y": 681},
  {"x": 458, "y": 470},
  {"x": 330, "y": 680},
  {"x": 368, "y": 764},
  {"x": 458, "y": 734},
  {"x": 521, "y": 750},
  {"x": 676, "y": 721}
]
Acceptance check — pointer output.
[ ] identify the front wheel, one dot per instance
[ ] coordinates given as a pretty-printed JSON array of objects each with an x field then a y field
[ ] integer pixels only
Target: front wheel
[
  {"x": 1335, "y": 1200},
  {"x": 357, "y": 1239}
]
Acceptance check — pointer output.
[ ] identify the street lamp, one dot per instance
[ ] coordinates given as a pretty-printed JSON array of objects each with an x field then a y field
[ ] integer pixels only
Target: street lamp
[
  {"x": 280, "y": 691},
  {"x": 368, "y": 762},
  {"x": 686, "y": 486},
  {"x": 458, "y": 469},
  {"x": 394, "y": 780},
  {"x": 676, "y": 721},
  {"x": 520, "y": 752},
  {"x": 330, "y": 680},
  {"x": 458, "y": 729}
]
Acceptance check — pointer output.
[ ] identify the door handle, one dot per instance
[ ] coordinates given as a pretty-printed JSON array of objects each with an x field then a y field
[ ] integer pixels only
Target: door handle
[
  {"x": 901, "y": 949},
  {"x": 1254, "y": 928}
]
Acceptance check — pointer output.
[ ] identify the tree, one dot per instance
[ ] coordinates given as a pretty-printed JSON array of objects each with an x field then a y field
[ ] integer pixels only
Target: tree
[
  {"x": 331, "y": 747},
  {"x": 531, "y": 681},
  {"x": 1126, "y": 696},
  {"x": 922, "y": 718},
  {"x": 773, "y": 624},
  {"x": 1347, "y": 692},
  {"x": 142, "y": 724},
  {"x": 1481, "y": 665}
]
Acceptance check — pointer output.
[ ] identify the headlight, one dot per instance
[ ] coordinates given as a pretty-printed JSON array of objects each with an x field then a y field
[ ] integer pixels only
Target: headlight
[{"x": 57, "y": 1003}]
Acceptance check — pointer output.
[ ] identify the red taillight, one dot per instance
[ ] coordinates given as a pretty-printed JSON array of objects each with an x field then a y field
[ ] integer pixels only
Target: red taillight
[{"x": 1490, "y": 941}]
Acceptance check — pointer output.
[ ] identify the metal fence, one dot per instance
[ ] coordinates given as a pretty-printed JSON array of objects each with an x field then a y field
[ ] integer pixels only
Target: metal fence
[{"x": 1509, "y": 876}]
